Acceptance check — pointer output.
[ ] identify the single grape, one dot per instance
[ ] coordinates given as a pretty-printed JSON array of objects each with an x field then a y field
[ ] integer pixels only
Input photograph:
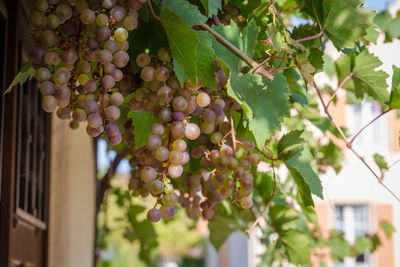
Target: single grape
[
  {"x": 147, "y": 74},
  {"x": 90, "y": 86},
  {"x": 208, "y": 115},
  {"x": 37, "y": 20},
  {"x": 49, "y": 103},
  {"x": 61, "y": 77},
  {"x": 112, "y": 113},
  {"x": 94, "y": 120},
  {"x": 53, "y": 21},
  {"x": 62, "y": 92},
  {"x": 121, "y": 34},
  {"x": 117, "y": 99},
  {"x": 42, "y": 5},
  {"x": 42, "y": 74},
  {"x": 177, "y": 129},
  {"x": 111, "y": 129},
  {"x": 186, "y": 158},
  {"x": 111, "y": 45},
  {"x": 164, "y": 54},
  {"x": 179, "y": 144},
  {"x": 143, "y": 60},
  {"x": 103, "y": 34},
  {"x": 130, "y": 22},
  {"x": 153, "y": 142},
  {"x": 162, "y": 154},
  {"x": 79, "y": 115},
  {"x": 120, "y": 59},
  {"x": 175, "y": 171},
  {"x": 87, "y": 16},
  {"x": 104, "y": 56},
  {"x": 154, "y": 215},
  {"x": 216, "y": 137},
  {"x": 102, "y": 20},
  {"x": 63, "y": 113},
  {"x": 108, "y": 81},
  {"x": 246, "y": 202},
  {"x": 207, "y": 127},
  {"x": 115, "y": 140},
  {"x": 161, "y": 74},
  {"x": 83, "y": 66},
  {"x": 73, "y": 124},
  {"x": 47, "y": 88},
  {"x": 176, "y": 157},
  {"x": 165, "y": 94},
  {"x": 192, "y": 131},
  {"x": 148, "y": 174},
  {"x": 49, "y": 38},
  {"x": 254, "y": 159},
  {"x": 157, "y": 129},
  {"x": 164, "y": 114},
  {"x": 63, "y": 12},
  {"x": 123, "y": 46},
  {"x": 248, "y": 145},
  {"x": 167, "y": 212},
  {"x": 92, "y": 132},
  {"x": 118, "y": 13},
  {"x": 226, "y": 150},
  {"x": 179, "y": 103},
  {"x": 203, "y": 99},
  {"x": 108, "y": 4},
  {"x": 156, "y": 187}
]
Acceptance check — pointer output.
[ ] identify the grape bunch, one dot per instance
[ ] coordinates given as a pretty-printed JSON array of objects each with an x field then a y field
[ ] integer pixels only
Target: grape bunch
[
  {"x": 80, "y": 54},
  {"x": 192, "y": 126}
]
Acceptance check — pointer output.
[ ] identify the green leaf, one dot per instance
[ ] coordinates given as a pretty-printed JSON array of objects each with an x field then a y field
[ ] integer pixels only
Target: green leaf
[
  {"x": 211, "y": 6},
  {"x": 395, "y": 93},
  {"x": 302, "y": 163},
  {"x": 182, "y": 40},
  {"x": 365, "y": 79},
  {"x": 302, "y": 186},
  {"x": 297, "y": 246},
  {"x": 142, "y": 122},
  {"x": 289, "y": 145},
  {"x": 316, "y": 60},
  {"x": 381, "y": 162},
  {"x": 283, "y": 218},
  {"x": 343, "y": 21},
  {"x": 387, "y": 228},
  {"x": 264, "y": 102},
  {"x": 205, "y": 60},
  {"x": 188, "y": 12},
  {"x": 339, "y": 246},
  {"x": 26, "y": 72},
  {"x": 221, "y": 226},
  {"x": 372, "y": 34}
]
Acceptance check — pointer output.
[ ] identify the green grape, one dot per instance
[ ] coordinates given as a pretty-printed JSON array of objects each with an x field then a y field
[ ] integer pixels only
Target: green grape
[
  {"x": 246, "y": 202},
  {"x": 87, "y": 16},
  {"x": 143, "y": 60},
  {"x": 179, "y": 144},
  {"x": 162, "y": 153},
  {"x": 164, "y": 54},
  {"x": 153, "y": 142},
  {"x": 130, "y": 22},
  {"x": 203, "y": 99},
  {"x": 156, "y": 187},
  {"x": 148, "y": 174},
  {"x": 121, "y": 34},
  {"x": 102, "y": 20}
]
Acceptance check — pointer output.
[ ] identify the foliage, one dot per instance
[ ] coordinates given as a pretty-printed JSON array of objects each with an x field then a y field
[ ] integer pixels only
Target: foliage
[{"x": 253, "y": 72}]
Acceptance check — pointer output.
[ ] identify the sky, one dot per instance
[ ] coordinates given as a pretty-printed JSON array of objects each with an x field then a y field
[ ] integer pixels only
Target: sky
[{"x": 104, "y": 157}]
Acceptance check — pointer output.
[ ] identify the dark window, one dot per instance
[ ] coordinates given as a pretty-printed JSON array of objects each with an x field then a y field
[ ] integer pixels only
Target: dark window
[
  {"x": 31, "y": 167},
  {"x": 3, "y": 22}
]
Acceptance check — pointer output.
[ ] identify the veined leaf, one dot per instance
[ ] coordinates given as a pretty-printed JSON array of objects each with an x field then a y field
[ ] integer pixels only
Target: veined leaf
[
  {"x": 380, "y": 161},
  {"x": 387, "y": 228},
  {"x": 395, "y": 93},
  {"x": 211, "y": 6},
  {"x": 264, "y": 102},
  {"x": 297, "y": 246},
  {"x": 188, "y": 12},
  {"x": 142, "y": 122},
  {"x": 205, "y": 60},
  {"x": 365, "y": 79},
  {"x": 182, "y": 40},
  {"x": 301, "y": 162},
  {"x": 344, "y": 21},
  {"x": 26, "y": 72},
  {"x": 289, "y": 145},
  {"x": 302, "y": 186}
]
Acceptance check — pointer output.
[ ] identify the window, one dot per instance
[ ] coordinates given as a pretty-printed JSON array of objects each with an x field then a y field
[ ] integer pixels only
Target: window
[
  {"x": 352, "y": 221},
  {"x": 2, "y": 76}
]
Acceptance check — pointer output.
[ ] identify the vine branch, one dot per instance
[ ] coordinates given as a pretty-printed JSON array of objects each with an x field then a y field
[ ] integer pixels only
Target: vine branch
[
  {"x": 249, "y": 61},
  {"x": 339, "y": 87},
  {"x": 152, "y": 10},
  {"x": 308, "y": 38}
]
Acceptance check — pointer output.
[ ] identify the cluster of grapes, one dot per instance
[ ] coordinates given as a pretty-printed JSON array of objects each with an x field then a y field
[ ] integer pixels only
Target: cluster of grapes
[
  {"x": 189, "y": 112},
  {"x": 81, "y": 50}
]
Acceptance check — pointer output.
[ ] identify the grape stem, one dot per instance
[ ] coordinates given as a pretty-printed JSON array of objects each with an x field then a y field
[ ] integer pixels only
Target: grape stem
[
  {"x": 249, "y": 61},
  {"x": 152, "y": 10},
  {"x": 255, "y": 223}
]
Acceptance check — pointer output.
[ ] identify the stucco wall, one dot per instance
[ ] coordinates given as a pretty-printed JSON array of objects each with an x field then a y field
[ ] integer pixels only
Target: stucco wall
[{"x": 72, "y": 196}]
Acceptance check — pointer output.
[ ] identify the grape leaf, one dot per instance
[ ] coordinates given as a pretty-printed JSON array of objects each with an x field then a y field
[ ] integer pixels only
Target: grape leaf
[
  {"x": 340, "y": 247},
  {"x": 205, "y": 60},
  {"x": 343, "y": 21},
  {"x": 188, "y": 12},
  {"x": 395, "y": 93},
  {"x": 290, "y": 144},
  {"x": 372, "y": 34},
  {"x": 387, "y": 228},
  {"x": 302, "y": 163},
  {"x": 365, "y": 79},
  {"x": 297, "y": 245},
  {"x": 26, "y": 72},
  {"x": 211, "y": 6},
  {"x": 302, "y": 186},
  {"x": 142, "y": 122},
  {"x": 265, "y": 102},
  {"x": 182, "y": 40},
  {"x": 381, "y": 162}
]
